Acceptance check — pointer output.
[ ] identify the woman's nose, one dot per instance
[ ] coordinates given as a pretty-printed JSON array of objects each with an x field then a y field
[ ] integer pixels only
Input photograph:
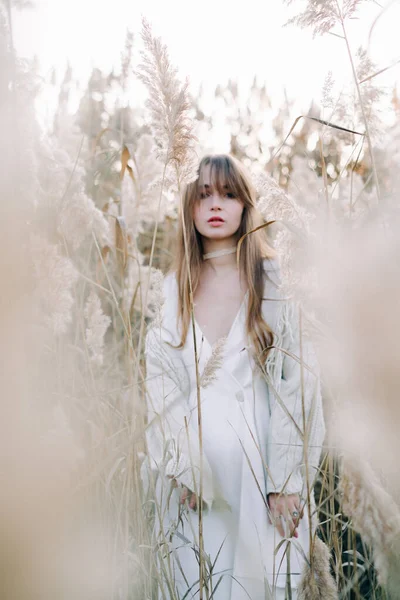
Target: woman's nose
[{"x": 215, "y": 202}]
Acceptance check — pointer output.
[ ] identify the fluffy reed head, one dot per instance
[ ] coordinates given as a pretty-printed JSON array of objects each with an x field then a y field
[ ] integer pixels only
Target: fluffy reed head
[
  {"x": 322, "y": 15},
  {"x": 374, "y": 514},
  {"x": 169, "y": 105},
  {"x": 213, "y": 364},
  {"x": 317, "y": 582}
]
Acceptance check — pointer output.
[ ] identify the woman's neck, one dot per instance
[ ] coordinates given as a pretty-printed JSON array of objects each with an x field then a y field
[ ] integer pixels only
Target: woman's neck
[{"x": 223, "y": 260}]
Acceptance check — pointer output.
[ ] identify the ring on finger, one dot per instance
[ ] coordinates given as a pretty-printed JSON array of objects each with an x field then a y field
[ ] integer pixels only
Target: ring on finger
[{"x": 295, "y": 514}]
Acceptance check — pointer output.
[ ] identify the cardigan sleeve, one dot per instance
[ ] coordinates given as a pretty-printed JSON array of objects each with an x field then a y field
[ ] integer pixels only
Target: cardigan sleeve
[
  {"x": 172, "y": 443},
  {"x": 297, "y": 428}
]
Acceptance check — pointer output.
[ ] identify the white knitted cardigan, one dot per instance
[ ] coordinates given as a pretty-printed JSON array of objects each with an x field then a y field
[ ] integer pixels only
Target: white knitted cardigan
[
  {"x": 296, "y": 429},
  {"x": 294, "y": 393}
]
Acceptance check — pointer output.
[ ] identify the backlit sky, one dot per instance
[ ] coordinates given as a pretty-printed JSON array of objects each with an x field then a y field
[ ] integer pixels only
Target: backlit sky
[{"x": 210, "y": 41}]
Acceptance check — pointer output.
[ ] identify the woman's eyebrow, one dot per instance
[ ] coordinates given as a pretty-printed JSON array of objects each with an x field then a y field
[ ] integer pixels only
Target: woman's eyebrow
[{"x": 225, "y": 187}]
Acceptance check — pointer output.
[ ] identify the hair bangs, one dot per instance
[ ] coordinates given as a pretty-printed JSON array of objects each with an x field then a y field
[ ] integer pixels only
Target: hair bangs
[{"x": 224, "y": 177}]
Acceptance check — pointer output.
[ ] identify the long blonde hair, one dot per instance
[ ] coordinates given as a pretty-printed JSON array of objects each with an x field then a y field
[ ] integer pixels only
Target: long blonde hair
[{"x": 225, "y": 171}]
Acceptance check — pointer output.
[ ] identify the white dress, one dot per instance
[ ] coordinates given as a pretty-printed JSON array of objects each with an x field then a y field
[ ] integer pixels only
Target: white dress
[{"x": 253, "y": 432}]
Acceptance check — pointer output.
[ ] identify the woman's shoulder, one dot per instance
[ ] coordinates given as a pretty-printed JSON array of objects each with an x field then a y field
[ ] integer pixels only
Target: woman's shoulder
[
  {"x": 169, "y": 329},
  {"x": 272, "y": 270},
  {"x": 165, "y": 330},
  {"x": 170, "y": 282},
  {"x": 170, "y": 292}
]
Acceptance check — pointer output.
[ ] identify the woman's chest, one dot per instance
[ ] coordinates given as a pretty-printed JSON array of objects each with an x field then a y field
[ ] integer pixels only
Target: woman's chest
[
  {"x": 216, "y": 318},
  {"x": 217, "y": 307}
]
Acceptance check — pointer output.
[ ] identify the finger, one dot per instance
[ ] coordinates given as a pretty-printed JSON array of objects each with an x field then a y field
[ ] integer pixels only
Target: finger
[
  {"x": 277, "y": 508},
  {"x": 184, "y": 495},
  {"x": 291, "y": 527},
  {"x": 297, "y": 514},
  {"x": 193, "y": 501},
  {"x": 279, "y": 526},
  {"x": 298, "y": 518},
  {"x": 295, "y": 521},
  {"x": 299, "y": 505},
  {"x": 281, "y": 529},
  {"x": 273, "y": 512},
  {"x": 294, "y": 511}
]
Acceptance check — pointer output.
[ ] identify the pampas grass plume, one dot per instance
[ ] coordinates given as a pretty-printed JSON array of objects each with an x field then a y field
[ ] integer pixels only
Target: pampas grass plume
[
  {"x": 55, "y": 276},
  {"x": 169, "y": 106},
  {"x": 317, "y": 582},
  {"x": 97, "y": 325},
  {"x": 213, "y": 364},
  {"x": 374, "y": 514},
  {"x": 79, "y": 217},
  {"x": 157, "y": 298}
]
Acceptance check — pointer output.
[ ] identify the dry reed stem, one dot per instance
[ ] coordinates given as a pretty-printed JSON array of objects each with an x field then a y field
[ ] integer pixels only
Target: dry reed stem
[
  {"x": 305, "y": 435},
  {"x": 360, "y": 99},
  {"x": 198, "y": 395}
]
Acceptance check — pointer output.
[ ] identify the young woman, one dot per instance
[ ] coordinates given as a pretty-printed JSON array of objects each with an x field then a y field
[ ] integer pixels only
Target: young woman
[{"x": 255, "y": 447}]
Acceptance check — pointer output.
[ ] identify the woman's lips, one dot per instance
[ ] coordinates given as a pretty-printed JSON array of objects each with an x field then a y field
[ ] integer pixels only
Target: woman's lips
[{"x": 215, "y": 222}]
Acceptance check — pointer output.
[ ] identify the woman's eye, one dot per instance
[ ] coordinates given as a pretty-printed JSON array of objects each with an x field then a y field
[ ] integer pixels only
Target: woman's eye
[{"x": 207, "y": 194}]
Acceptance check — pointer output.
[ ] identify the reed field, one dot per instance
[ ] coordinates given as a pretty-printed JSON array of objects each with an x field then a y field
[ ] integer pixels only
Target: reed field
[{"x": 90, "y": 206}]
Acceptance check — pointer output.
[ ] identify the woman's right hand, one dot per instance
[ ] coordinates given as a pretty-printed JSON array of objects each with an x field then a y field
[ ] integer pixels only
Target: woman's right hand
[
  {"x": 190, "y": 497},
  {"x": 288, "y": 507},
  {"x": 186, "y": 495}
]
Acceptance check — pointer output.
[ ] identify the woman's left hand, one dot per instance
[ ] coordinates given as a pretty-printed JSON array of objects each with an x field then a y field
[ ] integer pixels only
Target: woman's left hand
[{"x": 288, "y": 507}]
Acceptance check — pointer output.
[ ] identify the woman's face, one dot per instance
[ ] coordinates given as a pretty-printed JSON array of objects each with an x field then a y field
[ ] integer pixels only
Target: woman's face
[{"x": 216, "y": 217}]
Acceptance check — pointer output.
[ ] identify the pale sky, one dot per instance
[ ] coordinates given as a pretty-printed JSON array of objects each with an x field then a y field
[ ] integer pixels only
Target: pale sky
[{"x": 210, "y": 41}]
